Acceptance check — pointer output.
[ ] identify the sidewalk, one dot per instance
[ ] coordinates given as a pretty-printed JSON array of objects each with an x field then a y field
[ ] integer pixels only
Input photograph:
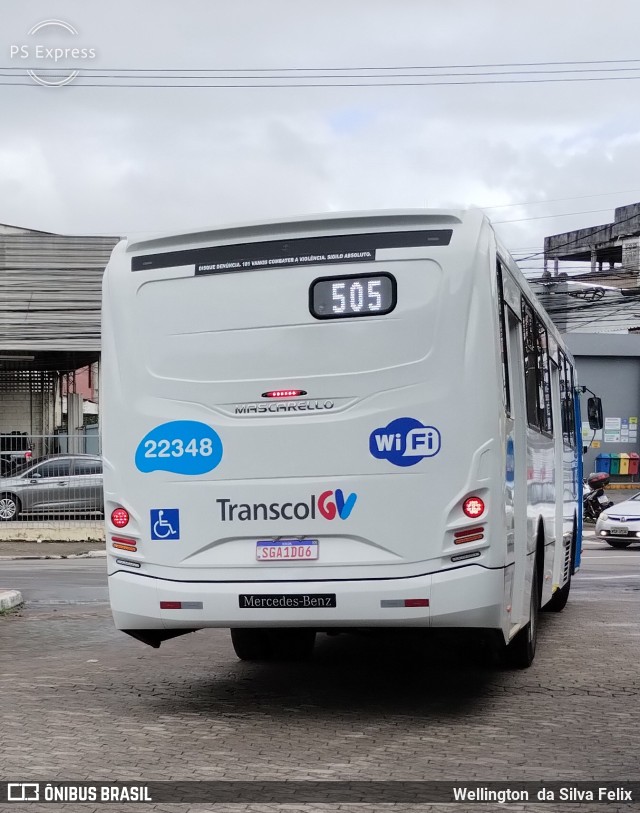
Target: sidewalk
[{"x": 50, "y": 550}]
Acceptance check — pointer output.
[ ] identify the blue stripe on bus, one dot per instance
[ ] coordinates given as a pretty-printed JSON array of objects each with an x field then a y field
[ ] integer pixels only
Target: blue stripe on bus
[{"x": 577, "y": 554}]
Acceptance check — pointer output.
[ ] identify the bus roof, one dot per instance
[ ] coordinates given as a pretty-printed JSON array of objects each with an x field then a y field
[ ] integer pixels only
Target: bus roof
[
  {"x": 335, "y": 222},
  {"x": 344, "y": 222}
]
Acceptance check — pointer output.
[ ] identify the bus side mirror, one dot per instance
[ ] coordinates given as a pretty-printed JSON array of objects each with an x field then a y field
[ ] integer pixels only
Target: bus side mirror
[{"x": 594, "y": 413}]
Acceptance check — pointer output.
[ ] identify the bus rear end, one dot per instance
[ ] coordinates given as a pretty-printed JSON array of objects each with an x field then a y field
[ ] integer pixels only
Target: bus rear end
[{"x": 301, "y": 426}]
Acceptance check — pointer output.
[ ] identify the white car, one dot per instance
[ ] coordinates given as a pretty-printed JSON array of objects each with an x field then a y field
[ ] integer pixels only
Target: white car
[{"x": 619, "y": 525}]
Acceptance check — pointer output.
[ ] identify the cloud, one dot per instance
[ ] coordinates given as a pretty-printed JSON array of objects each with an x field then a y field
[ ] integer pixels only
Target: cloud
[{"x": 88, "y": 160}]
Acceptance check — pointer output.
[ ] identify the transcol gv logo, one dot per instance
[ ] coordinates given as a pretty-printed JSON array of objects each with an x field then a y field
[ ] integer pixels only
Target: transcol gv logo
[
  {"x": 329, "y": 505},
  {"x": 404, "y": 442}
]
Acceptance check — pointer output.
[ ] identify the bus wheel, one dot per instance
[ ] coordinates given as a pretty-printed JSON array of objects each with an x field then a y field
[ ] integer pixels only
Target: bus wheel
[
  {"x": 251, "y": 644},
  {"x": 292, "y": 644},
  {"x": 522, "y": 650},
  {"x": 618, "y": 543},
  {"x": 559, "y": 598}
]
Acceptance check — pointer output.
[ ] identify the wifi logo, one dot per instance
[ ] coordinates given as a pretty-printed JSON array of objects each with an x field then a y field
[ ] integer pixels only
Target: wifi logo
[{"x": 405, "y": 442}]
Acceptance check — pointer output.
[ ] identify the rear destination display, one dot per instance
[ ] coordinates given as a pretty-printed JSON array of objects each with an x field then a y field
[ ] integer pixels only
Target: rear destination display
[{"x": 341, "y": 297}]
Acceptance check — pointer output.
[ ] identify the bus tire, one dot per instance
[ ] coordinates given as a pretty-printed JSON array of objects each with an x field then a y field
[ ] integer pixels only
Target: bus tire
[
  {"x": 519, "y": 654},
  {"x": 618, "y": 543},
  {"x": 251, "y": 644},
  {"x": 295, "y": 644},
  {"x": 559, "y": 598}
]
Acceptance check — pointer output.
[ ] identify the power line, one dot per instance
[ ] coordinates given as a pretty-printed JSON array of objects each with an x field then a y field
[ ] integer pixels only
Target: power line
[
  {"x": 144, "y": 73},
  {"x": 546, "y": 217},
  {"x": 560, "y": 200},
  {"x": 78, "y": 83},
  {"x": 380, "y": 68}
]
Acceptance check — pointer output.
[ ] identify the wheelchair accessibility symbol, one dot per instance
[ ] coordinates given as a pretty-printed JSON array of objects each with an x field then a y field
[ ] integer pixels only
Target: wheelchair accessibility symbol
[{"x": 165, "y": 523}]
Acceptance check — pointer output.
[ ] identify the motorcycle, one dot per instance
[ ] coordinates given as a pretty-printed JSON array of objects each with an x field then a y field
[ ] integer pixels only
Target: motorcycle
[{"x": 594, "y": 500}]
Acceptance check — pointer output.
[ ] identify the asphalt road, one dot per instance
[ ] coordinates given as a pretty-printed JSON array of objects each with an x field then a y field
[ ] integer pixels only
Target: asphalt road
[
  {"x": 79, "y": 700},
  {"x": 83, "y": 581}
]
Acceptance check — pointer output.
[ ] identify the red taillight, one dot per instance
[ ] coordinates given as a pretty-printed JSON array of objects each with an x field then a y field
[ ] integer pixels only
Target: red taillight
[
  {"x": 469, "y": 532},
  {"x": 468, "y": 535},
  {"x": 124, "y": 543},
  {"x": 473, "y": 507},
  {"x": 28, "y": 455},
  {"x": 416, "y": 602},
  {"x": 120, "y": 517},
  {"x": 170, "y": 605},
  {"x": 283, "y": 393}
]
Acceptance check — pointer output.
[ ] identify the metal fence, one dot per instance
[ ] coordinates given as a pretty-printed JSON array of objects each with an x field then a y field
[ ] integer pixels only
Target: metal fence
[{"x": 51, "y": 482}]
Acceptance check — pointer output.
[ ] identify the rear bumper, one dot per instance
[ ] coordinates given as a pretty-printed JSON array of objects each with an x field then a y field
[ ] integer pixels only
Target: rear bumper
[{"x": 471, "y": 596}]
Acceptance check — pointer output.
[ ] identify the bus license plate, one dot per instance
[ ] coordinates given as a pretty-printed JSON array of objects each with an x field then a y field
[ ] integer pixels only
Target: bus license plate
[
  {"x": 619, "y": 531},
  {"x": 285, "y": 550}
]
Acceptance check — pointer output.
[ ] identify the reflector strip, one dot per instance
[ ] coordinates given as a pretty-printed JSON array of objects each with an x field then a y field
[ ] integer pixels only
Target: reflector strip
[
  {"x": 460, "y": 556},
  {"x": 126, "y": 563},
  {"x": 126, "y": 540},
  {"x": 180, "y": 605},
  {"x": 130, "y": 548},
  {"x": 404, "y": 602}
]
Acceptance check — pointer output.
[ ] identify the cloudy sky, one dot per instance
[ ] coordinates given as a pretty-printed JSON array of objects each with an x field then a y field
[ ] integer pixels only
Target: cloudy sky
[{"x": 121, "y": 160}]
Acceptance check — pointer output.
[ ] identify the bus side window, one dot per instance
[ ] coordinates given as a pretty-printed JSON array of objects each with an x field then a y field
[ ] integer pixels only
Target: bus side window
[
  {"x": 571, "y": 415},
  {"x": 530, "y": 355},
  {"x": 506, "y": 389},
  {"x": 562, "y": 376},
  {"x": 566, "y": 400},
  {"x": 544, "y": 379},
  {"x": 537, "y": 375}
]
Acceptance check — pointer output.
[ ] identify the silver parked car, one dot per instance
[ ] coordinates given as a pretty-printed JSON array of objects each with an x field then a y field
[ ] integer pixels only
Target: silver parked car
[
  {"x": 619, "y": 525},
  {"x": 53, "y": 485}
]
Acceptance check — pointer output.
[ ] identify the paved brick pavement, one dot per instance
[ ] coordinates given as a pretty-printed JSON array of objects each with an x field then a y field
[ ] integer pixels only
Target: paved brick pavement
[{"x": 79, "y": 700}]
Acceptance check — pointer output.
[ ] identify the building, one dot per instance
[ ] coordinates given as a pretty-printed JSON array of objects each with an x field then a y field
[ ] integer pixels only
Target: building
[
  {"x": 50, "y": 299},
  {"x": 609, "y": 365},
  {"x": 591, "y": 278}
]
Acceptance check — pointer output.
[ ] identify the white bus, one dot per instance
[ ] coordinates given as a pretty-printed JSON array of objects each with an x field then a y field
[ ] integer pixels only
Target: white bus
[{"x": 351, "y": 421}]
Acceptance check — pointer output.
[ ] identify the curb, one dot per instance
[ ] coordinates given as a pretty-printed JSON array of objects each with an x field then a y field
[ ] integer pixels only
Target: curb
[
  {"x": 10, "y": 599},
  {"x": 92, "y": 554}
]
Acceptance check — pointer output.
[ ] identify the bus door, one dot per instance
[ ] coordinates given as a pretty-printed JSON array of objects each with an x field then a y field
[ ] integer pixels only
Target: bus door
[{"x": 517, "y": 463}]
